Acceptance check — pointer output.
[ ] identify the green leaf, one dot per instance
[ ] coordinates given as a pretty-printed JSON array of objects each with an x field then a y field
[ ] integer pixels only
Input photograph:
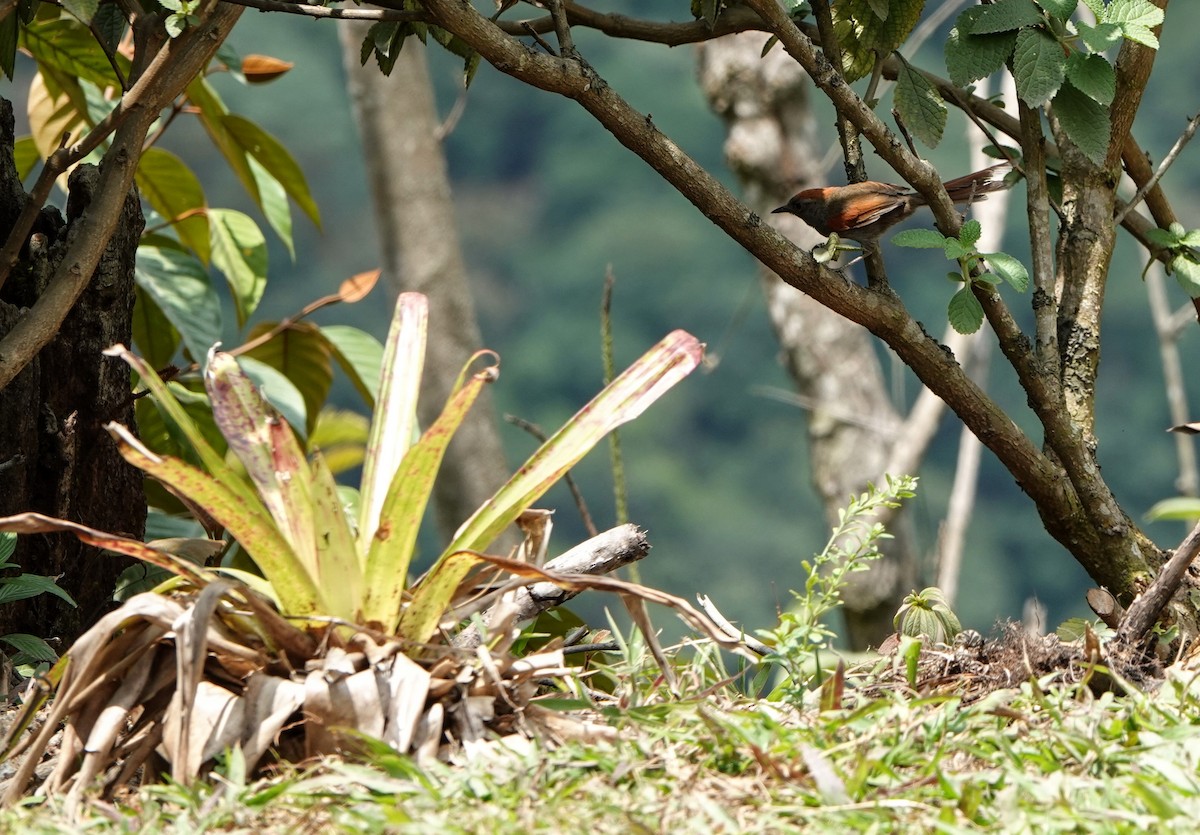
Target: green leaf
[
  {"x": 1136, "y": 19},
  {"x": 954, "y": 249},
  {"x": 239, "y": 250},
  {"x": 109, "y": 24},
  {"x": 1009, "y": 268},
  {"x": 965, "y": 311},
  {"x": 393, "y": 425},
  {"x": 303, "y": 355},
  {"x": 1178, "y": 509},
  {"x": 1093, "y": 76},
  {"x": 85, "y": 10},
  {"x": 1097, "y": 7},
  {"x": 24, "y": 586},
  {"x": 920, "y": 239},
  {"x": 1187, "y": 273},
  {"x": 171, "y": 188},
  {"x": 1006, "y": 16},
  {"x": 337, "y": 563},
  {"x": 862, "y": 34},
  {"x": 1099, "y": 38},
  {"x": 970, "y": 233},
  {"x": 1085, "y": 122},
  {"x": 971, "y": 56},
  {"x": 1166, "y": 238},
  {"x": 626, "y": 397},
  {"x": 29, "y": 645},
  {"x": 360, "y": 356},
  {"x": 154, "y": 337},
  {"x": 8, "y": 547},
  {"x": 341, "y": 435},
  {"x": 1039, "y": 66},
  {"x": 67, "y": 45},
  {"x": 279, "y": 391},
  {"x": 25, "y": 155},
  {"x": 181, "y": 288},
  {"x": 212, "y": 113},
  {"x": 393, "y": 544},
  {"x": 9, "y": 36},
  {"x": 920, "y": 105},
  {"x": 242, "y": 514},
  {"x": 1061, "y": 9},
  {"x": 273, "y": 201},
  {"x": 276, "y": 159}
]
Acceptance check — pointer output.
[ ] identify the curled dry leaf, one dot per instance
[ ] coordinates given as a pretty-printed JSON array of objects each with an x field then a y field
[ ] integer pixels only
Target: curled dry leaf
[{"x": 259, "y": 69}]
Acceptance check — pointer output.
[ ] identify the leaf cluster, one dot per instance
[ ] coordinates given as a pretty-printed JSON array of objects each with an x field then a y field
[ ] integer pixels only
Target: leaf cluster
[{"x": 965, "y": 311}]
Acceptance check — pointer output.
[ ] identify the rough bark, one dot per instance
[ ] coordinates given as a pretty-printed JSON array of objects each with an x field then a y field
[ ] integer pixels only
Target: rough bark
[
  {"x": 58, "y": 458},
  {"x": 852, "y": 424},
  {"x": 417, "y": 228}
]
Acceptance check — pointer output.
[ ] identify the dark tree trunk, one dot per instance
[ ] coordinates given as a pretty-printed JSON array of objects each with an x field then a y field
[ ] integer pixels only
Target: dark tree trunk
[{"x": 55, "y": 456}]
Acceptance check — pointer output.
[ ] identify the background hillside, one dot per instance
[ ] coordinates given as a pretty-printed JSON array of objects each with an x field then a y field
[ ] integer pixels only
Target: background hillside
[{"x": 717, "y": 471}]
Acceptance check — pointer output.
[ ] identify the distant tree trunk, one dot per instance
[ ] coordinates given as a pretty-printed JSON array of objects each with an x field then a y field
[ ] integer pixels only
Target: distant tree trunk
[
  {"x": 852, "y": 424},
  {"x": 55, "y": 456},
  {"x": 415, "y": 217}
]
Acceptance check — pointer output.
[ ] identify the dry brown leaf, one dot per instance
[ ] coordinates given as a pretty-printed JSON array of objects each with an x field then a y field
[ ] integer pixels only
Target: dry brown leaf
[
  {"x": 260, "y": 69},
  {"x": 356, "y": 287}
]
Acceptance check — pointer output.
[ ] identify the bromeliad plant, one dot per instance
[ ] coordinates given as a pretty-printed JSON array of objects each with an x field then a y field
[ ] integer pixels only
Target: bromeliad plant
[{"x": 205, "y": 664}]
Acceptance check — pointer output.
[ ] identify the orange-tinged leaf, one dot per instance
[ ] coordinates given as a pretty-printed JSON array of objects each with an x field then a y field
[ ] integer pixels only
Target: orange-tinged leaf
[
  {"x": 356, "y": 287},
  {"x": 260, "y": 69}
]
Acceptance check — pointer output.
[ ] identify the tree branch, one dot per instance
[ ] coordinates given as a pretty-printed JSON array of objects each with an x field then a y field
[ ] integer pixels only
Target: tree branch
[{"x": 176, "y": 64}]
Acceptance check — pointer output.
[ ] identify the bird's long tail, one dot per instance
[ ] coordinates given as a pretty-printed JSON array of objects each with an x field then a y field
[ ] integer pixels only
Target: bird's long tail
[{"x": 977, "y": 186}]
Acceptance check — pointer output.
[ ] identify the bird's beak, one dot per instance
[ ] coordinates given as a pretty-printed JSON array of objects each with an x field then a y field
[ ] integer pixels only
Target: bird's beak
[{"x": 780, "y": 209}]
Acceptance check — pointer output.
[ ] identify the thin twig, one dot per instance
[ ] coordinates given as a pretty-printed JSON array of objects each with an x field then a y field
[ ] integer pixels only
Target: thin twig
[
  {"x": 338, "y": 14},
  {"x": 538, "y": 39},
  {"x": 1145, "y": 609},
  {"x": 1188, "y": 482},
  {"x": 562, "y": 28},
  {"x": 1172, "y": 155}
]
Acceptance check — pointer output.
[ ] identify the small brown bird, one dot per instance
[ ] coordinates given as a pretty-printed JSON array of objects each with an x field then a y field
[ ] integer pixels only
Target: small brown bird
[{"x": 864, "y": 211}]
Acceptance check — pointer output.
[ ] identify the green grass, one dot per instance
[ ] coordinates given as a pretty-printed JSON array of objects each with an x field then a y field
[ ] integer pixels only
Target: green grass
[{"x": 1036, "y": 757}]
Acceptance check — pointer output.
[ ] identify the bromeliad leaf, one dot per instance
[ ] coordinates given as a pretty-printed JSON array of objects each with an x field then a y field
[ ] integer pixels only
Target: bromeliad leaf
[
  {"x": 392, "y": 546},
  {"x": 626, "y": 397}
]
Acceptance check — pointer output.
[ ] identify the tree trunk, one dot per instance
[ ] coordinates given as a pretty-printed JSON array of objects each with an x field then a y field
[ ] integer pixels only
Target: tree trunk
[
  {"x": 55, "y": 456},
  {"x": 417, "y": 226},
  {"x": 852, "y": 424}
]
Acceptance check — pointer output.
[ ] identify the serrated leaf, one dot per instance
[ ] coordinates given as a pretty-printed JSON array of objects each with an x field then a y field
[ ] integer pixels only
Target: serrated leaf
[
  {"x": 1084, "y": 121},
  {"x": 1099, "y": 38},
  {"x": 970, "y": 233},
  {"x": 276, "y": 159},
  {"x": 1141, "y": 34},
  {"x": 971, "y": 57},
  {"x": 1167, "y": 238},
  {"x": 239, "y": 251},
  {"x": 183, "y": 291},
  {"x": 1138, "y": 12},
  {"x": 880, "y": 8},
  {"x": 920, "y": 105},
  {"x": 1093, "y": 76},
  {"x": 1006, "y": 16},
  {"x": 862, "y": 34},
  {"x": 954, "y": 249},
  {"x": 1010, "y": 269},
  {"x": 303, "y": 355},
  {"x": 1061, "y": 9},
  {"x": 1187, "y": 273},
  {"x": 919, "y": 239},
  {"x": 1039, "y": 66},
  {"x": 171, "y": 188},
  {"x": 1097, "y": 7},
  {"x": 85, "y": 10},
  {"x": 965, "y": 312}
]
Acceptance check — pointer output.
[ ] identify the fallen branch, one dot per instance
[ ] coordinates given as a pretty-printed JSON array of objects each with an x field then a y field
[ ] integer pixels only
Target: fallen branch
[
  {"x": 1145, "y": 609},
  {"x": 601, "y": 554}
]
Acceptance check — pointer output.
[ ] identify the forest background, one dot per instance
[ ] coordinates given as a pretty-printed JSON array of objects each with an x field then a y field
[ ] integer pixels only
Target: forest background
[{"x": 717, "y": 471}]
